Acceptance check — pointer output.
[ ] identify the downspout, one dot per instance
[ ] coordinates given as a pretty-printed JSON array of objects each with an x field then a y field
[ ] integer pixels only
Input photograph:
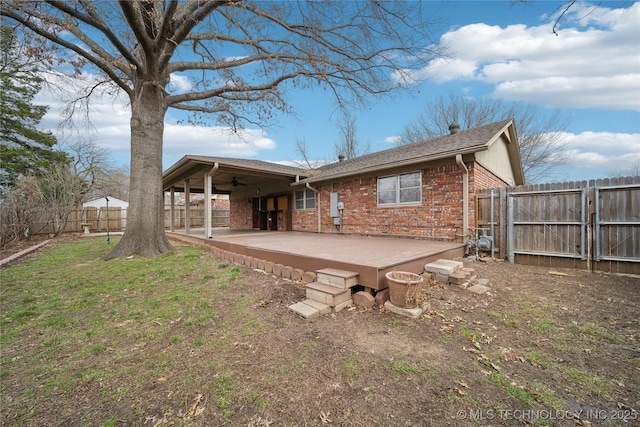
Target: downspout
[
  {"x": 318, "y": 193},
  {"x": 465, "y": 196}
]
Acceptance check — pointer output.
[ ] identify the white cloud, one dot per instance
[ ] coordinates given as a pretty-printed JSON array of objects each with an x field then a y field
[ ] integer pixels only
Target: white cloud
[
  {"x": 181, "y": 83},
  {"x": 110, "y": 129},
  {"x": 603, "y": 150},
  {"x": 598, "y": 92},
  {"x": 392, "y": 139},
  {"x": 592, "y": 64},
  {"x": 213, "y": 141}
]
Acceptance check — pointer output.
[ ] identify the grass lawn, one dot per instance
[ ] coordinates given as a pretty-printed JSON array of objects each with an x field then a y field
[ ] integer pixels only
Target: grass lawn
[{"x": 190, "y": 340}]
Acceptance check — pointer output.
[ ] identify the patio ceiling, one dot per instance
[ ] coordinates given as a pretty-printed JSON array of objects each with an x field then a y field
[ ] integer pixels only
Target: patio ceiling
[{"x": 227, "y": 174}]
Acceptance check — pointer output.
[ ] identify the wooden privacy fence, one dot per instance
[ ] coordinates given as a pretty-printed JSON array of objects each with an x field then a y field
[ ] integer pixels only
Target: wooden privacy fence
[
  {"x": 96, "y": 219},
  {"x": 591, "y": 225},
  {"x": 220, "y": 217}
]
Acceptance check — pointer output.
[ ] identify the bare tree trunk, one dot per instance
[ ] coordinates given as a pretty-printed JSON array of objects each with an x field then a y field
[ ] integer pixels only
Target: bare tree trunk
[{"x": 145, "y": 234}]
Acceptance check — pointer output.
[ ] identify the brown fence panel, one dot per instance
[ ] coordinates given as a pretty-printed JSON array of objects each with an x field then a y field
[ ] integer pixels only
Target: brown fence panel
[
  {"x": 44, "y": 224},
  {"x": 114, "y": 218},
  {"x": 591, "y": 225},
  {"x": 220, "y": 217},
  {"x": 550, "y": 222},
  {"x": 92, "y": 217},
  {"x": 617, "y": 225},
  {"x": 97, "y": 219}
]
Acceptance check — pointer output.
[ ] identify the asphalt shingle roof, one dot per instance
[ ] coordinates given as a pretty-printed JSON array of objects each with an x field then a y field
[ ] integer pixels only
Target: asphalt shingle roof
[
  {"x": 247, "y": 164},
  {"x": 468, "y": 141}
]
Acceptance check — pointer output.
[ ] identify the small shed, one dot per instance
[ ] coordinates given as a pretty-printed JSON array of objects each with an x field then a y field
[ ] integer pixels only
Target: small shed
[{"x": 114, "y": 202}]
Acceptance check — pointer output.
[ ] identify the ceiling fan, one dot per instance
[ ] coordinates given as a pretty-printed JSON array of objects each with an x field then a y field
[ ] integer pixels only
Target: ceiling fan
[{"x": 234, "y": 182}]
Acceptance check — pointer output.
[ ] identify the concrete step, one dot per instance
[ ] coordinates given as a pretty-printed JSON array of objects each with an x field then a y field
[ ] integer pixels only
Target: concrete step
[
  {"x": 310, "y": 309},
  {"x": 342, "y": 279},
  {"x": 443, "y": 266},
  {"x": 327, "y": 294},
  {"x": 305, "y": 310},
  {"x": 320, "y": 306}
]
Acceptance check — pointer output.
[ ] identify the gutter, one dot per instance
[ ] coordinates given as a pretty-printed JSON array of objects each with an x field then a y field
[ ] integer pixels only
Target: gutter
[
  {"x": 215, "y": 167},
  {"x": 378, "y": 167},
  {"x": 318, "y": 209},
  {"x": 465, "y": 196}
]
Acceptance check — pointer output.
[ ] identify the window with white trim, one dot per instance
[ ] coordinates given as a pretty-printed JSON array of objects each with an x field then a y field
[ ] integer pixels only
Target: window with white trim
[
  {"x": 305, "y": 199},
  {"x": 400, "y": 189}
]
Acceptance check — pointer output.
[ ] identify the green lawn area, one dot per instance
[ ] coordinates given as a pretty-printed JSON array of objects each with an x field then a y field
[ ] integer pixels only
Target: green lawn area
[
  {"x": 108, "y": 327},
  {"x": 188, "y": 339}
]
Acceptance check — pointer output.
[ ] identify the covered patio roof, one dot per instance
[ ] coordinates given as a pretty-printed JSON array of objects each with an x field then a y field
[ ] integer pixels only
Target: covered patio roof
[{"x": 226, "y": 174}]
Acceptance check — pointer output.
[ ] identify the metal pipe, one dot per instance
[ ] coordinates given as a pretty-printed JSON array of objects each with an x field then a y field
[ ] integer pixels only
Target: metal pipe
[
  {"x": 465, "y": 196},
  {"x": 319, "y": 210},
  {"x": 636, "y": 223},
  {"x": 553, "y": 254},
  {"x": 589, "y": 260},
  {"x": 172, "y": 209},
  {"x": 107, "y": 199},
  {"x": 545, "y": 223},
  {"x": 583, "y": 226},
  {"x": 523, "y": 193},
  {"x": 493, "y": 238},
  {"x": 610, "y": 258},
  {"x": 596, "y": 192},
  {"x": 510, "y": 229},
  {"x": 619, "y": 187}
]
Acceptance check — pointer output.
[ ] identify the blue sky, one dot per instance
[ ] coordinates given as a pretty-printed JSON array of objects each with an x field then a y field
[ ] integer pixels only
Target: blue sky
[{"x": 590, "y": 71}]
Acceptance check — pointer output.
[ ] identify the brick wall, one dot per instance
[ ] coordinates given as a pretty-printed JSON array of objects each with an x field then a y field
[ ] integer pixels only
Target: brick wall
[
  {"x": 439, "y": 216},
  {"x": 482, "y": 178},
  {"x": 240, "y": 213},
  {"x": 307, "y": 220}
]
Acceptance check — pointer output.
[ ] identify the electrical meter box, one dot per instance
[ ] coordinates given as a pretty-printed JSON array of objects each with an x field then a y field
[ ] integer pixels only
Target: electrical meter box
[{"x": 333, "y": 205}]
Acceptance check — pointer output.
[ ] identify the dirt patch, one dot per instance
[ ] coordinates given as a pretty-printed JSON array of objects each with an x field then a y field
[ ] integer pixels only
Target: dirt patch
[
  {"x": 19, "y": 245},
  {"x": 537, "y": 349}
]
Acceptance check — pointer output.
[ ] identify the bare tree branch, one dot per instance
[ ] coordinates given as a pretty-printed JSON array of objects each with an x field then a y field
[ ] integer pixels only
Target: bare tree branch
[
  {"x": 236, "y": 61},
  {"x": 540, "y": 136}
]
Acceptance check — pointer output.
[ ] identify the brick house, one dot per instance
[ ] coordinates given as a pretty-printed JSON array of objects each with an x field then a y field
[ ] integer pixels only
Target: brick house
[{"x": 420, "y": 190}]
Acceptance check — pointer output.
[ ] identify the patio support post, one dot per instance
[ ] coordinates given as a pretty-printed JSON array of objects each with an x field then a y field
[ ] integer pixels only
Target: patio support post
[
  {"x": 172, "y": 209},
  {"x": 465, "y": 196},
  {"x": 208, "y": 185},
  {"x": 187, "y": 203},
  {"x": 207, "y": 205}
]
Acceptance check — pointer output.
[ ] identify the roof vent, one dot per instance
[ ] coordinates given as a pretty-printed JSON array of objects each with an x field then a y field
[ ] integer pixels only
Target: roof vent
[
  {"x": 454, "y": 128},
  {"x": 341, "y": 157}
]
